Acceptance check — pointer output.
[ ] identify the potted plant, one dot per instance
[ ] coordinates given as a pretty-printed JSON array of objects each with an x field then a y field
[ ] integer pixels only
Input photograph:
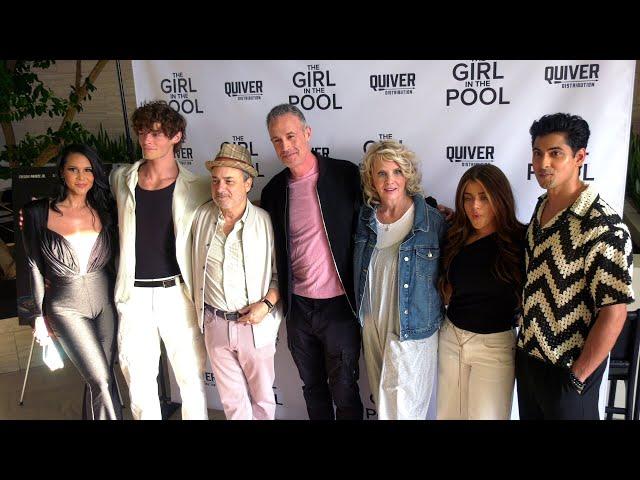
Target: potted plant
[{"x": 22, "y": 95}]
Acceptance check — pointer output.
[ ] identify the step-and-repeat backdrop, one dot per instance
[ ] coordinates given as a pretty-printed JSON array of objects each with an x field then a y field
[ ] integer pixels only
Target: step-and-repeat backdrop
[{"x": 453, "y": 114}]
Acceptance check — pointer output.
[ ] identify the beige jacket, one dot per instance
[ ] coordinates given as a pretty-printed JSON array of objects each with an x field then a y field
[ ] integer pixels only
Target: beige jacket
[
  {"x": 190, "y": 192},
  {"x": 259, "y": 264}
]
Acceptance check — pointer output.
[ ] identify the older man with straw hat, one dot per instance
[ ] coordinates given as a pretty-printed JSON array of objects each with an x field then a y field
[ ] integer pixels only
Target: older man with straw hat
[{"x": 236, "y": 288}]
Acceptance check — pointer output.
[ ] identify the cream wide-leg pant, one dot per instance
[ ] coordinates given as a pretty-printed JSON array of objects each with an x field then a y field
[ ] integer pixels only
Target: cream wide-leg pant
[
  {"x": 476, "y": 374},
  {"x": 150, "y": 314}
]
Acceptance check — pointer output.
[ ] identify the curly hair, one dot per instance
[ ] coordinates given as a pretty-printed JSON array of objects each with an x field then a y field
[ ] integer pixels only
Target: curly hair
[
  {"x": 390, "y": 151},
  {"x": 159, "y": 111}
]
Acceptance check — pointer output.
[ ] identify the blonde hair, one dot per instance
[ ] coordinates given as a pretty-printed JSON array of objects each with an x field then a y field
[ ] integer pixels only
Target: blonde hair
[{"x": 392, "y": 151}]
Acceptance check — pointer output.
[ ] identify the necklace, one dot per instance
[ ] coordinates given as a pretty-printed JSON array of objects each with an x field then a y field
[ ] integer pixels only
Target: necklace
[{"x": 387, "y": 226}]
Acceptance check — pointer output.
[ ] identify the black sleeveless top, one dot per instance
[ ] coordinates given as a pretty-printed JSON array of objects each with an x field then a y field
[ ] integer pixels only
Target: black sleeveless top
[
  {"x": 480, "y": 302},
  {"x": 155, "y": 236}
]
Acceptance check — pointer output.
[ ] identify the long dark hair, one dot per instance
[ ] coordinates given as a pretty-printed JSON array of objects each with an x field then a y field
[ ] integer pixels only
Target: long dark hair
[
  {"x": 509, "y": 231},
  {"x": 99, "y": 196}
]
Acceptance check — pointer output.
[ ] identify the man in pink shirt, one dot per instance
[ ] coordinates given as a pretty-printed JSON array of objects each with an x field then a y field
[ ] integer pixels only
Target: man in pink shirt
[{"x": 314, "y": 204}]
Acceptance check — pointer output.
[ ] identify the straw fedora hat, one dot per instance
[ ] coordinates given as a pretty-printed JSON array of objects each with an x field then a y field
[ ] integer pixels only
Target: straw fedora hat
[{"x": 235, "y": 156}]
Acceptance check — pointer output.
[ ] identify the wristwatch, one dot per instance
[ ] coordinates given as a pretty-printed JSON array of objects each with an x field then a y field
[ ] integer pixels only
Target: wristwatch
[
  {"x": 577, "y": 384},
  {"x": 270, "y": 305}
]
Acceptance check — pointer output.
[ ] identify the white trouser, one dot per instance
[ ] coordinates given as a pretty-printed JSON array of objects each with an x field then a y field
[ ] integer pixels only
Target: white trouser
[
  {"x": 150, "y": 314},
  {"x": 401, "y": 374},
  {"x": 476, "y": 374}
]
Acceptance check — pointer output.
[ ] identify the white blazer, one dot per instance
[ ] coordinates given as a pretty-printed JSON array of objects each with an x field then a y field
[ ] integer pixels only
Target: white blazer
[
  {"x": 259, "y": 264},
  {"x": 190, "y": 192}
]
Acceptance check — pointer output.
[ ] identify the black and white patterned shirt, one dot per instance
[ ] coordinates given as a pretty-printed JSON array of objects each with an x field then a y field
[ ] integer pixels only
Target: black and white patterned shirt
[{"x": 580, "y": 261}]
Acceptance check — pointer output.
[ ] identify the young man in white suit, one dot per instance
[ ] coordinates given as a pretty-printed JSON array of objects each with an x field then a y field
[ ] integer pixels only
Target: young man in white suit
[{"x": 157, "y": 199}]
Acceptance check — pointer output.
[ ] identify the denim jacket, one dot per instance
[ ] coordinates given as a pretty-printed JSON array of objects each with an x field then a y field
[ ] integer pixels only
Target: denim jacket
[{"x": 420, "y": 305}]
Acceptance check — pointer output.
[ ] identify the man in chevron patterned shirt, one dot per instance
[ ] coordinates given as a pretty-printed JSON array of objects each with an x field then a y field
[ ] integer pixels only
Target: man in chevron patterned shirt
[{"x": 579, "y": 270}]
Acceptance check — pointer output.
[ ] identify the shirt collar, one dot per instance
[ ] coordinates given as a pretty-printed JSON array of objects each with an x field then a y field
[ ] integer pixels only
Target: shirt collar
[
  {"x": 580, "y": 208},
  {"x": 583, "y": 203},
  {"x": 242, "y": 219}
]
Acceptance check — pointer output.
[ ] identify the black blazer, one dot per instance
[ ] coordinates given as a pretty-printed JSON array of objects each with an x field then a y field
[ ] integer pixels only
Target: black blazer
[
  {"x": 35, "y": 218},
  {"x": 340, "y": 197}
]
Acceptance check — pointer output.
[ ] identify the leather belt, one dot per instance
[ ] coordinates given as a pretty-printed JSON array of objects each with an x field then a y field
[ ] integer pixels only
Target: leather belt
[
  {"x": 229, "y": 316},
  {"x": 169, "y": 282}
]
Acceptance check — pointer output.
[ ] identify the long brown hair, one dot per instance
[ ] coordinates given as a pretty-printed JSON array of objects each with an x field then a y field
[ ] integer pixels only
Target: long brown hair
[{"x": 509, "y": 231}]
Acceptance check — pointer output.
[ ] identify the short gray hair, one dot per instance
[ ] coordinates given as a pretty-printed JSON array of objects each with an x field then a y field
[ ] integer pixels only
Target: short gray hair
[{"x": 284, "y": 109}]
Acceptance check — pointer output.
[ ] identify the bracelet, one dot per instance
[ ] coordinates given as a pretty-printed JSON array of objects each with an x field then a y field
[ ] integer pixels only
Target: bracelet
[
  {"x": 577, "y": 384},
  {"x": 270, "y": 305}
]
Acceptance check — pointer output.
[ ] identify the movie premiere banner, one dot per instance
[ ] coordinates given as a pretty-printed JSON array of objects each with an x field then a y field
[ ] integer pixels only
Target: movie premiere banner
[{"x": 452, "y": 113}]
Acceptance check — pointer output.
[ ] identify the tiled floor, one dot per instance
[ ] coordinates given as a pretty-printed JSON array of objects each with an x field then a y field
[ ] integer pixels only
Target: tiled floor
[
  {"x": 58, "y": 395},
  {"x": 48, "y": 395}
]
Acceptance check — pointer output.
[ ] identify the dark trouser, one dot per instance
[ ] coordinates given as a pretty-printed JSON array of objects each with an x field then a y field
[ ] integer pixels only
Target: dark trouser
[
  {"x": 324, "y": 340},
  {"x": 545, "y": 391},
  {"x": 81, "y": 314}
]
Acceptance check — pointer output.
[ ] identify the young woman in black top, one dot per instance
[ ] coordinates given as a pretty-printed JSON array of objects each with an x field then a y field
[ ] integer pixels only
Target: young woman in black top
[
  {"x": 69, "y": 242},
  {"x": 482, "y": 279}
]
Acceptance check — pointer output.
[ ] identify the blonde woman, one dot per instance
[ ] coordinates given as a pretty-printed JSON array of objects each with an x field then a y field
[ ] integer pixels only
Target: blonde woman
[{"x": 396, "y": 267}]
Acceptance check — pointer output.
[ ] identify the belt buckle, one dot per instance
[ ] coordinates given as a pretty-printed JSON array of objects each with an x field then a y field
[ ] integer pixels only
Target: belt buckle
[
  {"x": 224, "y": 314},
  {"x": 168, "y": 283}
]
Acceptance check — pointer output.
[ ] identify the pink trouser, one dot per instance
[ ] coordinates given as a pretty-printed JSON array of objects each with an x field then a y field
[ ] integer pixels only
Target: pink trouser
[{"x": 244, "y": 374}]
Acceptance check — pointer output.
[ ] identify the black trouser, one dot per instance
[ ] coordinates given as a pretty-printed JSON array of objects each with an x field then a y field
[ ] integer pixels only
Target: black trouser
[
  {"x": 81, "y": 314},
  {"x": 324, "y": 340},
  {"x": 545, "y": 391}
]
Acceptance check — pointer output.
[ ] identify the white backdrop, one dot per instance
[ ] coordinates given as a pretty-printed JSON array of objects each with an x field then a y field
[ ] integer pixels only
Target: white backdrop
[{"x": 451, "y": 113}]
